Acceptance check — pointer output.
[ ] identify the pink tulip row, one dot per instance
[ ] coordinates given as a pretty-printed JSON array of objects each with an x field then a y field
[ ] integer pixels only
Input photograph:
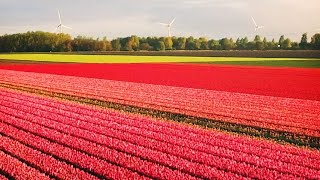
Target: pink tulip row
[
  {"x": 111, "y": 119},
  {"x": 88, "y": 110},
  {"x": 293, "y": 115},
  {"x": 97, "y": 166},
  {"x": 219, "y": 155},
  {"x": 103, "y": 152},
  {"x": 18, "y": 169},
  {"x": 159, "y": 140},
  {"x": 49, "y": 164}
]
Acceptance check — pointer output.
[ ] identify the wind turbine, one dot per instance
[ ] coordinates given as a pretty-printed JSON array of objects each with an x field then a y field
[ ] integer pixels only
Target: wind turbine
[
  {"x": 61, "y": 26},
  {"x": 169, "y": 26},
  {"x": 256, "y": 27}
]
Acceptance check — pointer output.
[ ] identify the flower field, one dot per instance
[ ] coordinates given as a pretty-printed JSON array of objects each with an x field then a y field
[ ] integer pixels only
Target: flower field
[
  {"x": 277, "y": 113},
  {"x": 55, "y": 125},
  {"x": 298, "y": 83},
  {"x": 41, "y": 134}
]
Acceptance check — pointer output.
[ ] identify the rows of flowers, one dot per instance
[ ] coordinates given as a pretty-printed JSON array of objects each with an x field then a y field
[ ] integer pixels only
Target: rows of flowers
[
  {"x": 302, "y": 83},
  {"x": 127, "y": 132},
  {"x": 18, "y": 169},
  {"x": 284, "y": 114},
  {"x": 105, "y": 118},
  {"x": 79, "y": 159},
  {"x": 123, "y": 149},
  {"x": 52, "y": 166},
  {"x": 137, "y": 146}
]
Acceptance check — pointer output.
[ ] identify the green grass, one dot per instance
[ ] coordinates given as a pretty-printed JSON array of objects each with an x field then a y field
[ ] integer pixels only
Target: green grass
[{"x": 292, "y": 62}]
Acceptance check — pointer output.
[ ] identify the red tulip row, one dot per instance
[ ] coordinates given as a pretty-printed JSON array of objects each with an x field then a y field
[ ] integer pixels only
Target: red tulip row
[
  {"x": 49, "y": 164},
  {"x": 219, "y": 157},
  {"x": 18, "y": 169},
  {"x": 293, "y": 115},
  {"x": 300, "y": 83},
  {"x": 115, "y": 120}
]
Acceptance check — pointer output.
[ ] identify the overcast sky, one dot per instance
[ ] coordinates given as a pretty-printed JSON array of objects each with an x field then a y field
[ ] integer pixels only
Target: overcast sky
[{"x": 118, "y": 18}]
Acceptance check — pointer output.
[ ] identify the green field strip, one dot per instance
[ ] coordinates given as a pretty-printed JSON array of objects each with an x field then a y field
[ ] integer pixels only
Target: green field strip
[{"x": 137, "y": 59}]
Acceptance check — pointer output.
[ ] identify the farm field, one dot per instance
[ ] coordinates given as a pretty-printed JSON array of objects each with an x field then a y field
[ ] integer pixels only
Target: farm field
[
  {"x": 83, "y": 138},
  {"x": 58, "y": 58},
  {"x": 158, "y": 120},
  {"x": 270, "y": 81}
]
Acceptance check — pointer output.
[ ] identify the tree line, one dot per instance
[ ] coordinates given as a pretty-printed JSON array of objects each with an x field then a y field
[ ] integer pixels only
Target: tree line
[{"x": 51, "y": 42}]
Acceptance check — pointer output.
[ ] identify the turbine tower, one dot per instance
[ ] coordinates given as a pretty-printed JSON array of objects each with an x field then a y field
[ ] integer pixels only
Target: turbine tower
[
  {"x": 61, "y": 26},
  {"x": 256, "y": 27},
  {"x": 169, "y": 26}
]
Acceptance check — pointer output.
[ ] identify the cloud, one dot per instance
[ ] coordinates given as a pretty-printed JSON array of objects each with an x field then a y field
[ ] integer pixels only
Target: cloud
[{"x": 213, "y": 18}]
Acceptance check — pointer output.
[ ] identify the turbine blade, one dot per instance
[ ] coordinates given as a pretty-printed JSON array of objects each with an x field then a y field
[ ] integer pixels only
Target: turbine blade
[
  {"x": 172, "y": 21},
  {"x": 66, "y": 27},
  {"x": 164, "y": 24},
  {"x": 59, "y": 16},
  {"x": 254, "y": 22}
]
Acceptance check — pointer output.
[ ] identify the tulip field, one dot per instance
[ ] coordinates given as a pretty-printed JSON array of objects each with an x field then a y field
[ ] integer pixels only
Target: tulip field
[{"x": 64, "y": 121}]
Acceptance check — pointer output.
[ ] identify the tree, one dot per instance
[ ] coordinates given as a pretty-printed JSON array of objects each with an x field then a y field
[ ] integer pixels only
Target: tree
[
  {"x": 286, "y": 44},
  {"x": 135, "y": 43},
  {"x": 214, "y": 45},
  {"x": 203, "y": 43},
  {"x": 161, "y": 46},
  {"x": 258, "y": 43},
  {"x": 315, "y": 41},
  {"x": 226, "y": 44},
  {"x": 257, "y": 38},
  {"x": 190, "y": 45},
  {"x": 175, "y": 43},
  {"x": 181, "y": 43},
  {"x": 197, "y": 44},
  {"x": 116, "y": 44},
  {"x": 100, "y": 45},
  {"x": 242, "y": 43},
  {"x": 168, "y": 43},
  {"x": 45, "y": 42},
  {"x": 265, "y": 43},
  {"x": 294, "y": 46},
  {"x": 304, "y": 41},
  {"x": 281, "y": 41},
  {"x": 145, "y": 47}
]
